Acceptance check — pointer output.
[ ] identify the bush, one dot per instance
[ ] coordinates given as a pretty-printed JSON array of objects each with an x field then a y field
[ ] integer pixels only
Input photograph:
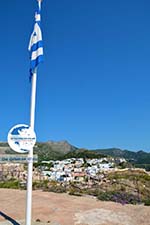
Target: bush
[
  {"x": 57, "y": 189},
  {"x": 40, "y": 184},
  {"x": 125, "y": 198},
  {"x": 104, "y": 196},
  {"x": 147, "y": 202},
  {"x": 54, "y": 186},
  {"x": 120, "y": 197},
  {"x": 74, "y": 191},
  {"x": 14, "y": 184}
]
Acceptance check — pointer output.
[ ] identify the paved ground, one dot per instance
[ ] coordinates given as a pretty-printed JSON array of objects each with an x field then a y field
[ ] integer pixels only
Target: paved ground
[{"x": 62, "y": 209}]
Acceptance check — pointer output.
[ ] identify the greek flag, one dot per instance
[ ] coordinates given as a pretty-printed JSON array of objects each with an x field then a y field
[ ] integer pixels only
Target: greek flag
[{"x": 36, "y": 44}]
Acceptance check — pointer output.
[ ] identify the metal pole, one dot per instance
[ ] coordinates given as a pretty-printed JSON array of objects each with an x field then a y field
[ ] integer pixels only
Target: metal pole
[
  {"x": 39, "y": 2},
  {"x": 30, "y": 155}
]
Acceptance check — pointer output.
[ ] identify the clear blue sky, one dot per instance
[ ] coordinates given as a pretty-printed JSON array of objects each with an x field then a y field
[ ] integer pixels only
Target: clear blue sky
[{"x": 93, "y": 88}]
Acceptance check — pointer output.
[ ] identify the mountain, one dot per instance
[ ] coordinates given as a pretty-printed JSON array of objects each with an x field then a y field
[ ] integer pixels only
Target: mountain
[
  {"x": 44, "y": 150},
  {"x": 62, "y": 146},
  {"x": 140, "y": 158},
  {"x": 53, "y": 150},
  {"x": 62, "y": 149}
]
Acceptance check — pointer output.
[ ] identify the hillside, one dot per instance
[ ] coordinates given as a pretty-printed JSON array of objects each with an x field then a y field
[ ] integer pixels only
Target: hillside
[{"x": 84, "y": 153}]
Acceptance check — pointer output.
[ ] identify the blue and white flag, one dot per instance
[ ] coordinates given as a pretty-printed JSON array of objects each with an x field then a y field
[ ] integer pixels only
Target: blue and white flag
[{"x": 36, "y": 43}]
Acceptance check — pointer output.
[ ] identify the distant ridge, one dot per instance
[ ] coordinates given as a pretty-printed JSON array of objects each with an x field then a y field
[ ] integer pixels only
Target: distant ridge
[
  {"x": 59, "y": 149},
  {"x": 139, "y": 157}
]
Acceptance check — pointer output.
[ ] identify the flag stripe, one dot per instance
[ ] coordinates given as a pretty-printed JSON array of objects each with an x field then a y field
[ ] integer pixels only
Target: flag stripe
[
  {"x": 35, "y": 62},
  {"x": 36, "y": 53},
  {"x": 37, "y": 45}
]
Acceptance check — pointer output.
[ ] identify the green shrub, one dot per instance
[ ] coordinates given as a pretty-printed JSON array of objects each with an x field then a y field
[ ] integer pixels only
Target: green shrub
[
  {"x": 147, "y": 202},
  {"x": 40, "y": 184},
  {"x": 74, "y": 191},
  {"x": 14, "y": 184},
  {"x": 57, "y": 189},
  {"x": 104, "y": 196}
]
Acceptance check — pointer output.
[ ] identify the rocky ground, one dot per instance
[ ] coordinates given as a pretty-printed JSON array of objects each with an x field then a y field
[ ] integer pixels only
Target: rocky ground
[{"x": 62, "y": 209}]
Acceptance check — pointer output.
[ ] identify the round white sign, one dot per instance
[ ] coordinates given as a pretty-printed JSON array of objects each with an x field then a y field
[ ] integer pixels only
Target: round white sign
[{"x": 21, "y": 138}]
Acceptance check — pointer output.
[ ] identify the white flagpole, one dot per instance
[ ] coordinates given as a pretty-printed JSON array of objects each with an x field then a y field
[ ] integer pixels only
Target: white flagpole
[{"x": 30, "y": 155}]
